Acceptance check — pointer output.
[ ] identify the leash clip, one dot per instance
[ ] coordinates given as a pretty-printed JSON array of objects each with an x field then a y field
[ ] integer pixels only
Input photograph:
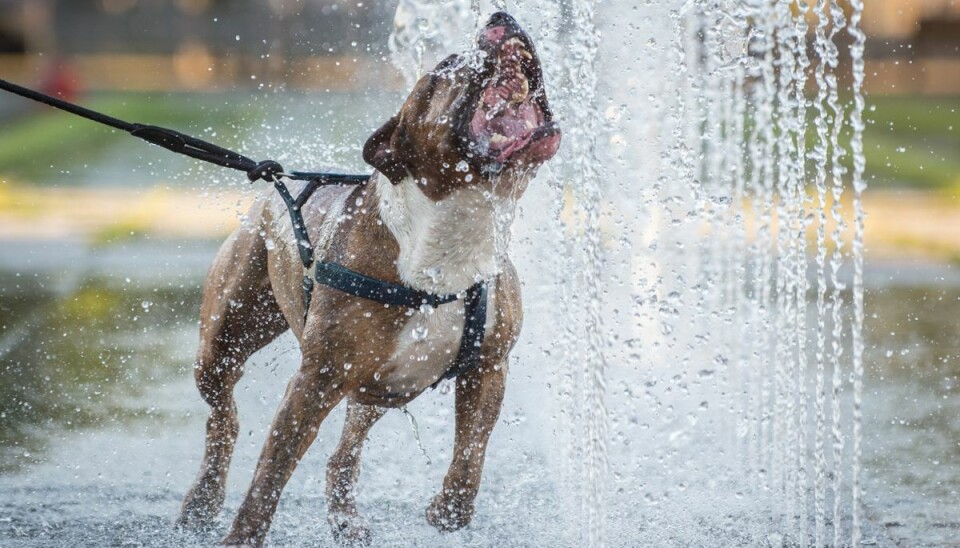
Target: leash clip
[{"x": 267, "y": 170}]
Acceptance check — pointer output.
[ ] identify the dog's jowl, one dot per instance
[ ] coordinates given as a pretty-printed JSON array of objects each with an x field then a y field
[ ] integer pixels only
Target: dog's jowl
[{"x": 435, "y": 217}]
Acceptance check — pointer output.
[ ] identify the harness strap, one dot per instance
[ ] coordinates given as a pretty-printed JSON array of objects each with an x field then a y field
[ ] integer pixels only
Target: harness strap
[
  {"x": 304, "y": 247},
  {"x": 475, "y": 307},
  {"x": 468, "y": 357},
  {"x": 294, "y": 206},
  {"x": 356, "y": 284}
]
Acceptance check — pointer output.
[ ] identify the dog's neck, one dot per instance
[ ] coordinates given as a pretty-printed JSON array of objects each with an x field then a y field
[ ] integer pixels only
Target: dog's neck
[{"x": 448, "y": 245}]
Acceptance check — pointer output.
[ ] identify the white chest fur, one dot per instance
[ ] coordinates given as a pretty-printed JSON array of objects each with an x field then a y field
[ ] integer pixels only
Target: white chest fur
[
  {"x": 448, "y": 245},
  {"x": 445, "y": 247}
]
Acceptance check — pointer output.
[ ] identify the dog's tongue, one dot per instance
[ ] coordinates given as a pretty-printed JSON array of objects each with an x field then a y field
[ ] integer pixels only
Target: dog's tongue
[
  {"x": 515, "y": 121},
  {"x": 506, "y": 127},
  {"x": 507, "y": 119}
]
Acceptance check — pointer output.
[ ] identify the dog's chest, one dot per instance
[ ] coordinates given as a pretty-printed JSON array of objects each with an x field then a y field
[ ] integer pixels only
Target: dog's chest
[
  {"x": 445, "y": 246},
  {"x": 425, "y": 348}
]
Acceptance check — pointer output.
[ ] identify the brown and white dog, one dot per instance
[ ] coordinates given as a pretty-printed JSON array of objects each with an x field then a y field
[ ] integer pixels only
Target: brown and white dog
[{"x": 436, "y": 217}]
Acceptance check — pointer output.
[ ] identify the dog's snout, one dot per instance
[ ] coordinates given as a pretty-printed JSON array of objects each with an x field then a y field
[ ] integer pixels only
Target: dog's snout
[
  {"x": 494, "y": 34},
  {"x": 500, "y": 26},
  {"x": 502, "y": 18}
]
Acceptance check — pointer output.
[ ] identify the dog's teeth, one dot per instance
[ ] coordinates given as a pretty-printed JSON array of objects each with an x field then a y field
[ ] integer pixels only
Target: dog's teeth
[
  {"x": 526, "y": 54},
  {"x": 496, "y": 139},
  {"x": 530, "y": 125},
  {"x": 521, "y": 94},
  {"x": 513, "y": 42}
]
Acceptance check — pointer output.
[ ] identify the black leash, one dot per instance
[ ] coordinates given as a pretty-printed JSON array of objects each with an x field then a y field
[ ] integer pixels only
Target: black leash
[
  {"x": 269, "y": 170},
  {"x": 181, "y": 143},
  {"x": 329, "y": 274}
]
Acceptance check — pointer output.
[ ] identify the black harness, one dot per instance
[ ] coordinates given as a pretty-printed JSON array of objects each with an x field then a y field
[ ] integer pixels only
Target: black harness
[
  {"x": 325, "y": 273},
  {"x": 354, "y": 283}
]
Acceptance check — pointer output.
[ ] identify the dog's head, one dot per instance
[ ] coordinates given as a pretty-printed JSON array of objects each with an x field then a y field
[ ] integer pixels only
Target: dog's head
[{"x": 476, "y": 117}]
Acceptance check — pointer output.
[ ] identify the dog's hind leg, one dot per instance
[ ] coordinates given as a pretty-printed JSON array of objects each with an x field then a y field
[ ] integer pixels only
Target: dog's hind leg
[
  {"x": 343, "y": 469},
  {"x": 238, "y": 316},
  {"x": 479, "y": 398}
]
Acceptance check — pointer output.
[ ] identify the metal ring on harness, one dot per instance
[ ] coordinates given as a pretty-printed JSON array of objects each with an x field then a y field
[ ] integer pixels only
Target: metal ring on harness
[{"x": 267, "y": 170}]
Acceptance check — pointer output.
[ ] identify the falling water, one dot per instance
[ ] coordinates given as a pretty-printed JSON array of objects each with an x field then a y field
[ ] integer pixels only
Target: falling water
[
  {"x": 859, "y": 163},
  {"x": 819, "y": 155},
  {"x": 836, "y": 261},
  {"x": 696, "y": 331}
]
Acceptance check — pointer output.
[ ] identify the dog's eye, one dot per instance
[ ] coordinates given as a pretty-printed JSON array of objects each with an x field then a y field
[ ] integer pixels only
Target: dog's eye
[
  {"x": 434, "y": 81},
  {"x": 447, "y": 63}
]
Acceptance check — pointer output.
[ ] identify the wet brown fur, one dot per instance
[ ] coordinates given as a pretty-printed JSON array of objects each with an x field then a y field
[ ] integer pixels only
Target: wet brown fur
[{"x": 264, "y": 290}]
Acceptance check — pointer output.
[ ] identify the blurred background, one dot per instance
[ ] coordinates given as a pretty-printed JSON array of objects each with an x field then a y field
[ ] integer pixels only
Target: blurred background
[
  {"x": 104, "y": 239},
  {"x": 239, "y": 71}
]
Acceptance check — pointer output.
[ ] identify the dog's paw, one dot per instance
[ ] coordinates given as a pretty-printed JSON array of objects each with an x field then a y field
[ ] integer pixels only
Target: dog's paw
[
  {"x": 201, "y": 508},
  {"x": 448, "y": 516},
  {"x": 349, "y": 529},
  {"x": 196, "y": 518}
]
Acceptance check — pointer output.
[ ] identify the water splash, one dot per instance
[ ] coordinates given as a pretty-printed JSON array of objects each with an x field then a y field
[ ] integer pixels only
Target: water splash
[
  {"x": 416, "y": 434},
  {"x": 425, "y": 31},
  {"x": 688, "y": 363},
  {"x": 859, "y": 185},
  {"x": 819, "y": 156},
  {"x": 837, "y": 152},
  {"x": 583, "y": 168}
]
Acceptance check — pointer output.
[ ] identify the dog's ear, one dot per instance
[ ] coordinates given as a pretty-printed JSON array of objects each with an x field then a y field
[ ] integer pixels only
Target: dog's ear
[{"x": 379, "y": 153}]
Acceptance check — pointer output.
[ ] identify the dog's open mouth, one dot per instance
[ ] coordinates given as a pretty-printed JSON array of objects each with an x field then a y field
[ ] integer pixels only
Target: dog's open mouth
[{"x": 512, "y": 122}]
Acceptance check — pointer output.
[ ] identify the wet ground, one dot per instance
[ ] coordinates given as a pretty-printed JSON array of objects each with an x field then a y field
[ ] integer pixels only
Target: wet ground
[
  {"x": 912, "y": 404},
  {"x": 102, "y": 428}
]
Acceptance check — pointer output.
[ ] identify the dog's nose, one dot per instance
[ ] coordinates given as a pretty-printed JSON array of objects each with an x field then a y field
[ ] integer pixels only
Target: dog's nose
[
  {"x": 500, "y": 25},
  {"x": 502, "y": 19}
]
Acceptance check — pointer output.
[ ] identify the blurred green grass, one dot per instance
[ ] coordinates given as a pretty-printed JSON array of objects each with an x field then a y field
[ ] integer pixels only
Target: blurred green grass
[
  {"x": 909, "y": 141},
  {"x": 85, "y": 360},
  {"x": 31, "y": 145},
  {"x": 913, "y": 141}
]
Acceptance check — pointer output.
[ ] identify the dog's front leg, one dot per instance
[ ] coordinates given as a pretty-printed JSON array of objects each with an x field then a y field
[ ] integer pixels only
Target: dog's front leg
[
  {"x": 479, "y": 398},
  {"x": 310, "y": 396},
  {"x": 343, "y": 469}
]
